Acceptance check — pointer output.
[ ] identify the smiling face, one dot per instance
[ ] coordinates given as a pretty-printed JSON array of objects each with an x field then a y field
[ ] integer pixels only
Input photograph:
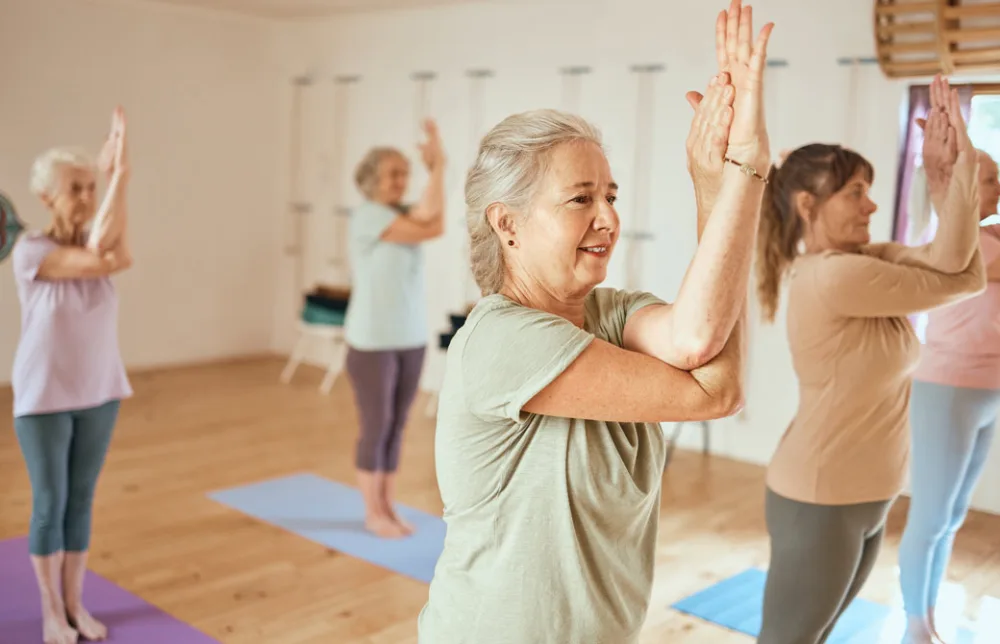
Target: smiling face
[
  {"x": 566, "y": 239},
  {"x": 72, "y": 197}
]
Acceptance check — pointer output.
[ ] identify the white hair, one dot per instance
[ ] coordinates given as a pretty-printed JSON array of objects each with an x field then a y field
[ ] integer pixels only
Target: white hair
[
  {"x": 510, "y": 163},
  {"x": 366, "y": 173},
  {"x": 45, "y": 170}
]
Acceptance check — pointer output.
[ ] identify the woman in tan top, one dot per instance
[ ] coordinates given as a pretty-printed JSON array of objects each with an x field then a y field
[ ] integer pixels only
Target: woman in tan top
[{"x": 843, "y": 459}]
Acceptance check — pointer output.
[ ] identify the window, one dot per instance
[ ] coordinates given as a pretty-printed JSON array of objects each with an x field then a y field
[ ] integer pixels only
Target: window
[{"x": 984, "y": 129}]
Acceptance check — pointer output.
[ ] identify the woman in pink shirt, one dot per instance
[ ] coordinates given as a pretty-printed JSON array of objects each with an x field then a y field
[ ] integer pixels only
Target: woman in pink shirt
[
  {"x": 953, "y": 411},
  {"x": 68, "y": 376}
]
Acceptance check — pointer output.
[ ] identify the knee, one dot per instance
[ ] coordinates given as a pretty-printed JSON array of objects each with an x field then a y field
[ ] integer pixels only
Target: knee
[{"x": 926, "y": 530}]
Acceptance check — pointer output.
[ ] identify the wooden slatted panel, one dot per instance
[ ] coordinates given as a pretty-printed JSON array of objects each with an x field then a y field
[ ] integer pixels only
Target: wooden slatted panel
[{"x": 915, "y": 38}]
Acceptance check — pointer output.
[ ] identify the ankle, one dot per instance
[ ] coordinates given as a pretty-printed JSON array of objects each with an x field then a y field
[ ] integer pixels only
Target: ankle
[{"x": 53, "y": 608}]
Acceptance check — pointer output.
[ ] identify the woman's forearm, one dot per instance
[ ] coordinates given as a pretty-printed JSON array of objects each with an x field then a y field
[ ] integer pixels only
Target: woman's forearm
[
  {"x": 723, "y": 376},
  {"x": 111, "y": 219},
  {"x": 431, "y": 205},
  {"x": 714, "y": 289},
  {"x": 957, "y": 236}
]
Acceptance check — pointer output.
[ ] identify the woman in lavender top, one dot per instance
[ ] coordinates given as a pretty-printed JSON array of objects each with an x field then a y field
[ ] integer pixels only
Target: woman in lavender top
[{"x": 68, "y": 377}]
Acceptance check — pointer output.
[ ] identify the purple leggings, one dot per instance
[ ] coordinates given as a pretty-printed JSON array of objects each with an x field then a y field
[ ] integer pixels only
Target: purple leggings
[{"x": 385, "y": 384}]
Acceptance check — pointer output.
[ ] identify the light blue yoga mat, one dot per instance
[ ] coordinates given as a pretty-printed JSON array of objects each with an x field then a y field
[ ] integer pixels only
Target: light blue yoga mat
[
  {"x": 736, "y": 603},
  {"x": 333, "y": 514}
]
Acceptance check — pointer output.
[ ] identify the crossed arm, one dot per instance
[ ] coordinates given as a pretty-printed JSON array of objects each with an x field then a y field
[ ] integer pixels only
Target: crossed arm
[
  {"x": 657, "y": 376},
  {"x": 107, "y": 249},
  {"x": 426, "y": 219}
]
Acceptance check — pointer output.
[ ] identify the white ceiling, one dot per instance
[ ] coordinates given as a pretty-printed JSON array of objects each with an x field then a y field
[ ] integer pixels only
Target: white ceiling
[{"x": 304, "y": 8}]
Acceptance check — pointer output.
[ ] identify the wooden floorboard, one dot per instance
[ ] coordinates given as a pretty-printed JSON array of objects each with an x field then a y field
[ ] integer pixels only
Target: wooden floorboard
[{"x": 189, "y": 431}]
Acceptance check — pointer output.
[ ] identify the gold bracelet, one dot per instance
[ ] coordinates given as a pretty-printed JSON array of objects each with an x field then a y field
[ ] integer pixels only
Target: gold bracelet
[{"x": 747, "y": 169}]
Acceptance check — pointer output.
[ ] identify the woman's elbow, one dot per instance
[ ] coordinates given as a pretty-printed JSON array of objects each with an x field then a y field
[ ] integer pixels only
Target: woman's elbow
[
  {"x": 731, "y": 400},
  {"x": 697, "y": 350}
]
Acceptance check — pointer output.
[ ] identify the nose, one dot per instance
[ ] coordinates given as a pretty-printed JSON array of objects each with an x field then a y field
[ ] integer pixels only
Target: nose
[
  {"x": 870, "y": 206},
  {"x": 607, "y": 217}
]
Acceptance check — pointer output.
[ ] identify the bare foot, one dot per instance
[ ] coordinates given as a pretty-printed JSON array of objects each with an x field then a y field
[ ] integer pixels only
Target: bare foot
[
  {"x": 89, "y": 628},
  {"x": 383, "y": 526},
  {"x": 56, "y": 630},
  {"x": 406, "y": 526},
  {"x": 917, "y": 632}
]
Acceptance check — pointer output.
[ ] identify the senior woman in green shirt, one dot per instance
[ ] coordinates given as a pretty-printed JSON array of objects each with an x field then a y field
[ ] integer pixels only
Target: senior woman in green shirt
[{"x": 548, "y": 449}]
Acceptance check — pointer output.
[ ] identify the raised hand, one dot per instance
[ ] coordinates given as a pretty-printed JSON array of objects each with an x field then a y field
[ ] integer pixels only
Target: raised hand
[
  {"x": 113, "y": 157},
  {"x": 709, "y": 136},
  {"x": 946, "y": 136},
  {"x": 431, "y": 150},
  {"x": 940, "y": 149},
  {"x": 744, "y": 61}
]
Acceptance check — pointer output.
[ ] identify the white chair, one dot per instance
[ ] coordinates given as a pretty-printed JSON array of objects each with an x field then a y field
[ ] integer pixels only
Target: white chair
[{"x": 334, "y": 335}]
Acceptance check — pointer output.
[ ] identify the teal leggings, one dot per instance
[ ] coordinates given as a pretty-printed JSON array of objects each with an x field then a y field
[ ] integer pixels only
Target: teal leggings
[{"x": 64, "y": 453}]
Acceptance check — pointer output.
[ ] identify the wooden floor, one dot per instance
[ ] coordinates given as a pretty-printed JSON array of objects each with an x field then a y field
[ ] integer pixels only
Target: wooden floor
[{"x": 191, "y": 431}]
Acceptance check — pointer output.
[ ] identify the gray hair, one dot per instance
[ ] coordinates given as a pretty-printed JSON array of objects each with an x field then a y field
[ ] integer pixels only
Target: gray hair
[
  {"x": 511, "y": 161},
  {"x": 366, "y": 174},
  {"x": 45, "y": 170}
]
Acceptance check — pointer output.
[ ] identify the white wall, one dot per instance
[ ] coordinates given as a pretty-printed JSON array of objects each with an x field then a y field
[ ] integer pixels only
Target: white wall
[
  {"x": 810, "y": 100},
  {"x": 206, "y": 131}
]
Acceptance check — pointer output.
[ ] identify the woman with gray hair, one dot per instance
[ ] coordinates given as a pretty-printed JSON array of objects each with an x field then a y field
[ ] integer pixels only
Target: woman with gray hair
[
  {"x": 385, "y": 327},
  {"x": 68, "y": 378},
  {"x": 549, "y": 452}
]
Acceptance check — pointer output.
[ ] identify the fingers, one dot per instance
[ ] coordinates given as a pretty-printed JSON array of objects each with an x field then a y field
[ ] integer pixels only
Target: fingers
[
  {"x": 759, "y": 58},
  {"x": 710, "y": 129},
  {"x": 693, "y": 99},
  {"x": 745, "y": 34},
  {"x": 921, "y": 123},
  {"x": 732, "y": 30},
  {"x": 720, "y": 40},
  {"x": 957, "y": 121}
]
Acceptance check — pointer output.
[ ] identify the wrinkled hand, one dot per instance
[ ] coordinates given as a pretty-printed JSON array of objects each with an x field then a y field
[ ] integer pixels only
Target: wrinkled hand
[
  {"x": 431, "y": 151},
  {"x": 946, "y": 136},
  {"x": 744, "y": 61},
  {"x": 709, "y": 136},
  {"x": 113, "y": 157}
]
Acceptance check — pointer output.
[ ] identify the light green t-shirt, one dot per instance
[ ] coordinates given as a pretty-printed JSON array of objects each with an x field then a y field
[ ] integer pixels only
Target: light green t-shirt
[
  {"x": 388, "y": 307},
  {"x": 551, "y": 522}
]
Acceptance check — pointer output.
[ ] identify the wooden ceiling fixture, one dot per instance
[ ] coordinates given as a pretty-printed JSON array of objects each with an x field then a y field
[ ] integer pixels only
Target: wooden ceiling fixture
[{"x": 915, "y": 38}]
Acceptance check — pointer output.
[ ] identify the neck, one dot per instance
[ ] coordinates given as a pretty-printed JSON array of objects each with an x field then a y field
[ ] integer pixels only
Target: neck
[
  {"x": 65, "y": 234},
  {"x": 536, "y": 296},
  {"x": 814, "y": 246}
]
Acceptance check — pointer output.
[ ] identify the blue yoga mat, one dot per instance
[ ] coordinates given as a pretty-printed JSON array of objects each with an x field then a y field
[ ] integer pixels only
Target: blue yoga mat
[
  {"x": 736, "y": 603},
  {"x": 333, "y": 514}
]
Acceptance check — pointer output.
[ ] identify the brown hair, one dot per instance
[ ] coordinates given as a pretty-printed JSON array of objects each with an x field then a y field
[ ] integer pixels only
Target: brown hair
[{"x": 819, "y": 169}]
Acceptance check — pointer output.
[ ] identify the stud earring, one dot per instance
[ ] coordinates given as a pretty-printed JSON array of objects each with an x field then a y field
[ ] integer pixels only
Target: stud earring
[{"x": 510, "y": 242}]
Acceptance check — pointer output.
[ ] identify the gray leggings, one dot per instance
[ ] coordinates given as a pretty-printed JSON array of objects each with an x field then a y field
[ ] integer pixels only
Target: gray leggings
[
  {"x": 64, "y": 453},
  {"x": 821, "y": 556},
  {"x": 385, "y": 384}
]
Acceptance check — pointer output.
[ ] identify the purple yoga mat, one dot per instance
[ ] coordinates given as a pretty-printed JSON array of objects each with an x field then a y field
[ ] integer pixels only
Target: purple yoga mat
[{"x": 129, "y": 619}]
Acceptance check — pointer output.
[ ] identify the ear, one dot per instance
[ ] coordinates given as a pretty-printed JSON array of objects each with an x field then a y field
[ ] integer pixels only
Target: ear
[
  {"x": 805, "y": 205},
  {"x": 501, "y": 221}
]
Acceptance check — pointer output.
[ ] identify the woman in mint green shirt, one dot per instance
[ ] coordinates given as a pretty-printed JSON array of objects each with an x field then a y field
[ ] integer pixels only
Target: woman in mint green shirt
[
  {"x": 548, "y": 450},
  {"x": 386, "y": 323}
]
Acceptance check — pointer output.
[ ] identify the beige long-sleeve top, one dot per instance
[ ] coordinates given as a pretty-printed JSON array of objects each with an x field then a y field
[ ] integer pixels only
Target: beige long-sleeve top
[{"x": 853, "y": 352}]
